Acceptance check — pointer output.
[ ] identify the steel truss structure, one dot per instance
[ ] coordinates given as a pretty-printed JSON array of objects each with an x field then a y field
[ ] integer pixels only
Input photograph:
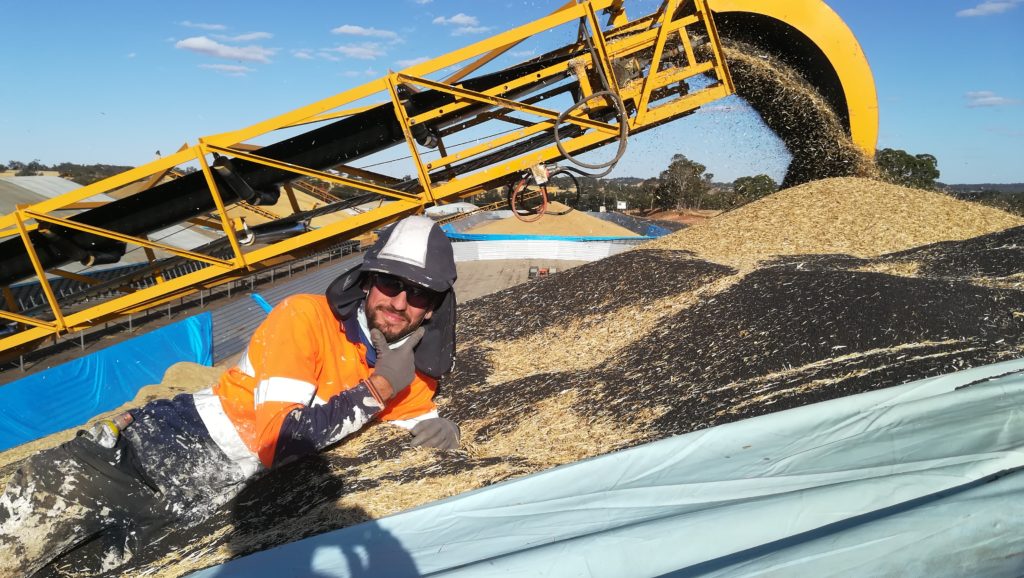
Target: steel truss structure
[{"x": 622, "y": 76}]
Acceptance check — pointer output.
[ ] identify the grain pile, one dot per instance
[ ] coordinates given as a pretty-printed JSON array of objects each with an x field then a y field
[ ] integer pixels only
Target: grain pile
[
  {"x": 560, "y": 220},
  {"x": 664, "y": 340},
  {"x": 853, "y": 216}
]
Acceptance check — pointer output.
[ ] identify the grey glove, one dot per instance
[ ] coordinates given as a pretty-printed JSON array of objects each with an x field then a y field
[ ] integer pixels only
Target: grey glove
[
  {"x": 396, "y": 365},
  {"x": 436, "y": 432}
]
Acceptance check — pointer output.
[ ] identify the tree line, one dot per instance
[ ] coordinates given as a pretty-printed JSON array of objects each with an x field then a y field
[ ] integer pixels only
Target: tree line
[
  {"x": 684, "y": 184},
  {"x": 81, "y": 174}
]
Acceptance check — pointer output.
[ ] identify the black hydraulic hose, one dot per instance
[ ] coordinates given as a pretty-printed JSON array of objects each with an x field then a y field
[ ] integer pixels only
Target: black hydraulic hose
[
  {"x": 567, "y": 171},
  {"x": 622, "y": 138}
]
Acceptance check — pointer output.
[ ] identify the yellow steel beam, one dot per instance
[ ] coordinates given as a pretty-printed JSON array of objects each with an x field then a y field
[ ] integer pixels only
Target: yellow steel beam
[
  {"x": 373, "y": 188},
  {"x": 597, "y": 37},
  {"x": 185, "y": 284},
  {"x": 380, "y": 85},
  {"x": 616, "y": 13},
  {"x": 554, "y": 70},
  {"x": 406, "y": 124},
  {"x": 205, "y": 222},
  {"x": 28, "y": 321},
  {"x": 103, "y": 186},
  {"x": 509, "y": 104},
  {"x": 376, "y": 177},
  {"x": 293, "y": 201},
  {"x": 83, "y": 205},
  {"x": 12, "y": 303},
  {"x": 126, "y": 238},
  {"x": 619, "y": 47},
  {"x": 722, "y": 71},
  {"x": 492, "y": 144},
  {"x": 44, "y": 283},
  {"x": 151, "y": 257},
  {"x": 655, "y": 67},
  {"x": 225, "y": 220},
  {"x": 333, "y": 115},
  {"x": 686, "y": 103}
]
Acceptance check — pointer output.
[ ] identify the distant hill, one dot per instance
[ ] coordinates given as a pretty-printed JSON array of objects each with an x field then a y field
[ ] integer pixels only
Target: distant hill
[
  {"x": 81, "y": 174},
  {"x": 975, "y": 188},
  {"x": 1008, "y": 197},
  {"x": 88, "y": 174}
]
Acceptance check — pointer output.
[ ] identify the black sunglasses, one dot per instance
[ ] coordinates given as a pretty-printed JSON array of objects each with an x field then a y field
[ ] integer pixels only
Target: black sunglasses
[{"x": 416, "y": 295}]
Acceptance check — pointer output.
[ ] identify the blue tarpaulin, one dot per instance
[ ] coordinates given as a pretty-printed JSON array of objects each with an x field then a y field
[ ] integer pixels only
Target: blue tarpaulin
[
  {"x": 921, "y": 479},
  {"x": 70, "y": 394}
]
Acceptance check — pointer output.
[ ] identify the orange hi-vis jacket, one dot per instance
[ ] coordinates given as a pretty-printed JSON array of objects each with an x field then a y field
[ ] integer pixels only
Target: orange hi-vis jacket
[{"x": 291, "y": 383}]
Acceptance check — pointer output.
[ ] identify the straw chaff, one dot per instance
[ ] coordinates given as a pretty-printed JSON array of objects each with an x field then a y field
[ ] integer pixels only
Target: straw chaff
[
  {"x": 798, "y": 115},
  {"x": 852, "y": 216}
]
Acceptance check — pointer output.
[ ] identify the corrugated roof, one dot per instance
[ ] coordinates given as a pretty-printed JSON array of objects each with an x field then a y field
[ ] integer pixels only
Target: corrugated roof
[
  {"x": 11, "y": 194},
  {"x": 41, "y": 187},
  {"x": 30, "y": 190}
]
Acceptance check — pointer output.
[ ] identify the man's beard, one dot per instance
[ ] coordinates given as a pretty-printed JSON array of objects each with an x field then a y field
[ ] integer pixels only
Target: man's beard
[{"x": 392, "y": 334}]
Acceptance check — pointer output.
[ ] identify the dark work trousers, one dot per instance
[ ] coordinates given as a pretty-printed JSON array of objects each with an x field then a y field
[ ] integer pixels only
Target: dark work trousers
[
  {"x": 164, "y": 471},
  {"x": 72, "y": 494}
]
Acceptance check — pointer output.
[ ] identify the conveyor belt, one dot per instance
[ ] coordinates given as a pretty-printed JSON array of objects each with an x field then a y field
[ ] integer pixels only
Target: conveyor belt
[{"x": 172, "y": 202}]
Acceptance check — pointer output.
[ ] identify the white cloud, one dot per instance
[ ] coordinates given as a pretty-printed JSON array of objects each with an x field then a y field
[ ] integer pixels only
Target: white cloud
[
  {"x": 354, "y": 73},
  {"x": 464, "y": 24},
  {"x": 981, "y": 98},
  {"x": 522, "y": 53},
  {"x": 423, "y": 2},
  {"x": 470, "y": 30},
  {"x": 304, "y": 54},
  {"x": 130, "y": 55},
  {"x": 204, "y": 45},
  {"x": 353, "y": 30},
  {"x": 203, "y": 26},
  {"x": 989, "y": 7},
  {"x": 228, "y": 69},
  {"x": 245, "y": 37},
  {"x": 364, "y": 51},
  {"x": 412, "y": 61},
  {"x": 459, "y": 19}
]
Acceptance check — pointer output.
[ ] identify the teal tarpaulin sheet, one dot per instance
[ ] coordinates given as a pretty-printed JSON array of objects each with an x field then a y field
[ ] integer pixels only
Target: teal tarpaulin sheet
[
  {"x": 70, "y": 394},
  {"x": 923, "y": 479}
]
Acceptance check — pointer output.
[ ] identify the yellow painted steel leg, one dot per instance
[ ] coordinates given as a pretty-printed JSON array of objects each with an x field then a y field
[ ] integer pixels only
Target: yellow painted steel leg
[
  {"x": 403, "y": 121},
  {"x": 12, "y": 303},
  {"x": 58, "y": 317},
  {"x": 225, "y": 221}
]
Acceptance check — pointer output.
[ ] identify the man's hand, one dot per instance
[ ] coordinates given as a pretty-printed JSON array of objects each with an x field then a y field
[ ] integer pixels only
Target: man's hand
[
  {"x": 436, "y": 432},
  {"x": 395, "y": 365}
]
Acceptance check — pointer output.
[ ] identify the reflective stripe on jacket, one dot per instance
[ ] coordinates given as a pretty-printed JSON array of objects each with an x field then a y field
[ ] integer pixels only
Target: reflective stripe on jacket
[{"x": 302, "y": 357}]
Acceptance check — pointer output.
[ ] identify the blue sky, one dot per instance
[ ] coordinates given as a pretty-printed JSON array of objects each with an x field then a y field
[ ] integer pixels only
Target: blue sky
[{"x": 115, "y": 81}]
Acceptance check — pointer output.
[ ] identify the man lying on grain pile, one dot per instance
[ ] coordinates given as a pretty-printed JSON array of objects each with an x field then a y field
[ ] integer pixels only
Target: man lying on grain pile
[{"x": 318, "y": 369}]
